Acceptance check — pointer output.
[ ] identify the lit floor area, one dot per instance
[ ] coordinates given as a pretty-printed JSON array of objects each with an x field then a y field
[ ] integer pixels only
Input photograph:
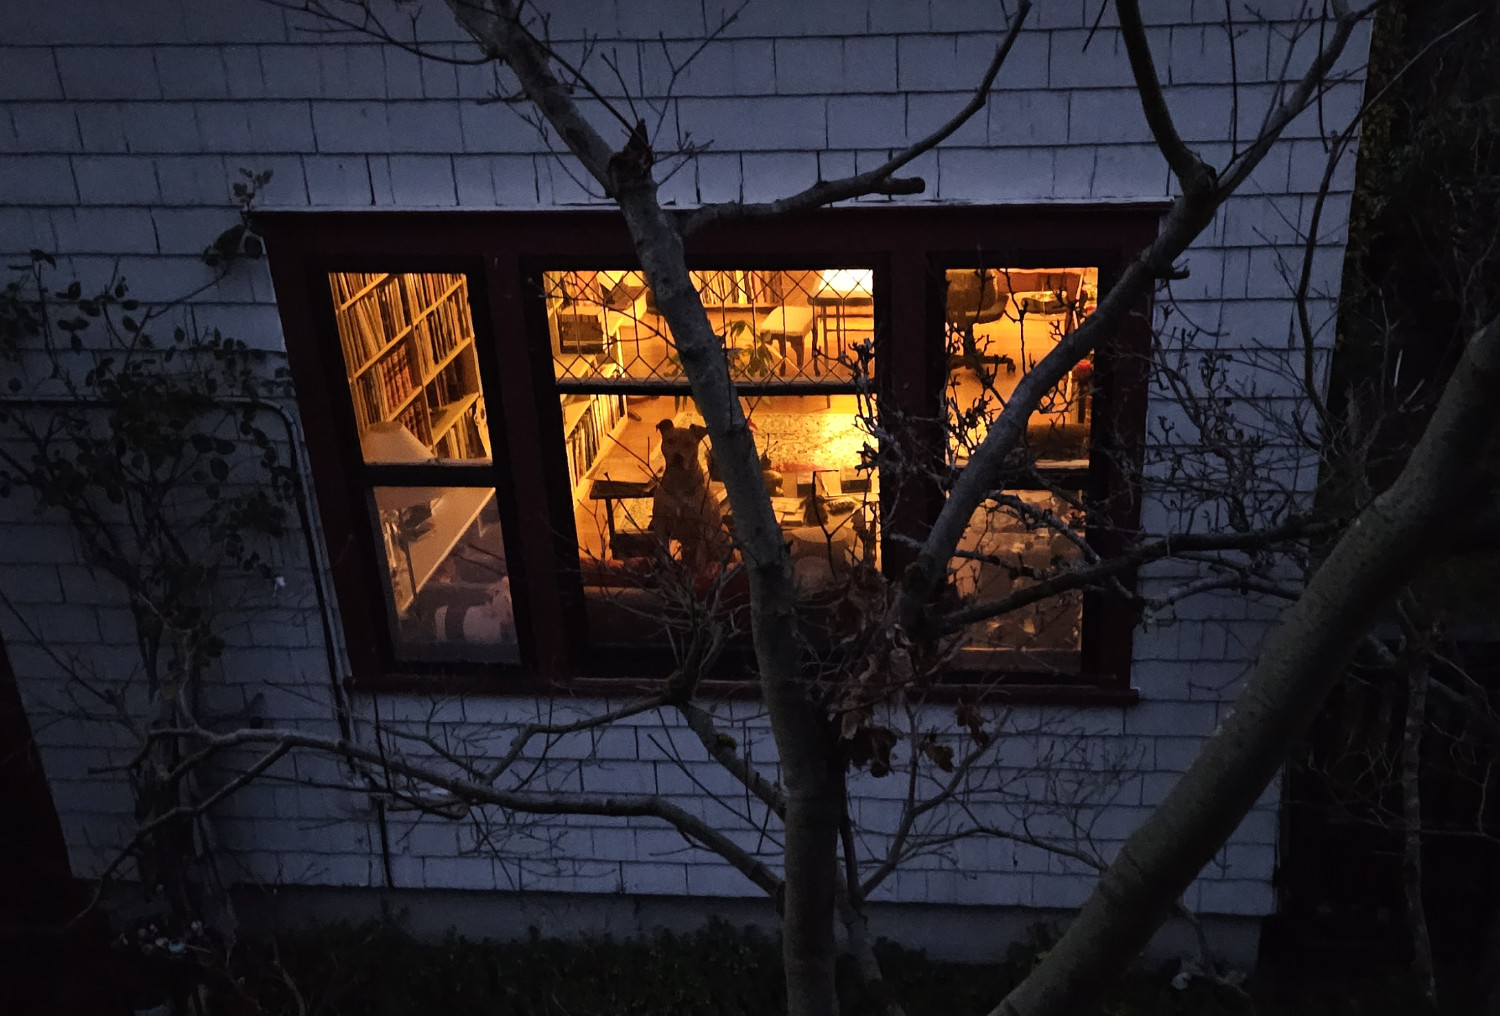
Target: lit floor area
[{"x": 798, "y": 436}]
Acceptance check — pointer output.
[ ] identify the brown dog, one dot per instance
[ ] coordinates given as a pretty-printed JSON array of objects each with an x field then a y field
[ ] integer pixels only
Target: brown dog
[{"x": 683, "y": 508}]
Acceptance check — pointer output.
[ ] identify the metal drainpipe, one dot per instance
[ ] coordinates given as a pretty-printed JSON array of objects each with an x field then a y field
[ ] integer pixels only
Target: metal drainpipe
[
  {"x": 304, "y": 515},
  {"x": 316, "y": 559},
  {"x": 315, "y": 562}
]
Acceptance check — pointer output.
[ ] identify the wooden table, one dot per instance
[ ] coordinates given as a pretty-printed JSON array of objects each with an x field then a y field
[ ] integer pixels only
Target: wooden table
[
  {"x": 788, "y": 325},
  {"x": 610, "y": 491},
  {"x": 455, "y": 510},
  {"x": 831, "y": 325}
]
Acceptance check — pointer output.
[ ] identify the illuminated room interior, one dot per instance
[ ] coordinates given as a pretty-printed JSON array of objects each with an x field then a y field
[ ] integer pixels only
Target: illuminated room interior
[
  {"x": 1000, "y": 323},
  {"x": 783, "y": 330},
  {"x": 408, "y": 344}
]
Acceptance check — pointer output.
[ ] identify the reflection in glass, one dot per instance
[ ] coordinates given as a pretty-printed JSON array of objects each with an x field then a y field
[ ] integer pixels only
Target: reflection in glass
[
  {"x": 1007, "y": 547},
  {"x": 408, "y": 346},
  {"x": 777, "y": 326},
  {"x": 447, "y": 579}
]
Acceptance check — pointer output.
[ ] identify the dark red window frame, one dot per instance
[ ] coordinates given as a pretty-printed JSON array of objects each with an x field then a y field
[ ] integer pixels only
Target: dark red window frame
[{"x": 502, "y": 253}]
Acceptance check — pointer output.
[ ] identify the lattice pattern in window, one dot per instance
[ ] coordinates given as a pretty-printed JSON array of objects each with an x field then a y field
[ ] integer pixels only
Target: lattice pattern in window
[
  {"x": 648, "y": 499},
  {"x": 778, "y": 326}
]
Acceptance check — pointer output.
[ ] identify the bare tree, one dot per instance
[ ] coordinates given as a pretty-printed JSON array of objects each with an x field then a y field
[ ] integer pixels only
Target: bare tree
[
  {"x": 821, "y": 710},
  {"x": 811, "y": 773},
  {"x": 153, "y": 448}
]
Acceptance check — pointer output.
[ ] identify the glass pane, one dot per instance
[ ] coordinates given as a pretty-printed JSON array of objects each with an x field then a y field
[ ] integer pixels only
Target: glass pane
[
  {"x": 447, "y": 581},
  {"x": 1010, "y": 544},
  {"x": 777, "y": 326},
  {"x": 1000, "y": 322},
  {"x": 655, "y": 531},
  {"x": 408, "y": 345}
]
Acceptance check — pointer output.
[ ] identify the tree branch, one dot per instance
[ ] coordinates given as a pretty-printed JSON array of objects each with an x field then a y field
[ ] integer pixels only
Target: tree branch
[
  {"x": 1190, "y": 214},
  {"x": 1307, "y": 89},
  {"x": 724, "y": 751},
  {"x": 179, "y": 813},
  {"x": 1335, "y": 154},
  {"x": 526, "y": 733},
  {"x": 881, "y": 179},
  {"x": 642, "y": 805},
  {"x": 496, "y": 27},
  {"x": 1385, "y": 547},
  {"x": 1157, "y": 550},
  {"x": 862, "y": 949},
  {"x": 914, "y": 809},
  {"x": 1192, "y": 172}
]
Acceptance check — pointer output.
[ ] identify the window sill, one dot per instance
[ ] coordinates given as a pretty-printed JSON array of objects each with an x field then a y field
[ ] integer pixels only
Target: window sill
[{"x": 1101, "y": 691}]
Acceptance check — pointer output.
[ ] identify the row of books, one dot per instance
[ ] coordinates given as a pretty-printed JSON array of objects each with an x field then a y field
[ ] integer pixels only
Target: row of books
[
  {"x": 386, "y": 386},
  {"x": 414, "y": 419},
  {"x": 442, "y": 330},
  {"x": 587, "y": 438},
  {"x": 418, "y": 290},
  {"x": 453, "y": 383},
  {"x": 465, "y": 439},
  {"x": 395, "y": 376},
  {"x": 379, "y": 397},
  {"x": 374, "y": 310},
  {"x": 372, "y": 322},
  {"x": 348, "y": 285}
]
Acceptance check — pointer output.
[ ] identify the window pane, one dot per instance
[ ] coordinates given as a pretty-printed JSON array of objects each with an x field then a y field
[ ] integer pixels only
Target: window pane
[
  {"x": 777, "y": 326},
  {"x": 1007, "y": 547},
  {"x": 448, "y": 586},
  {"x": 655, "y": 531},
  {"x": 1000, "y": 322},
  {"x": 408, "y": 345}
]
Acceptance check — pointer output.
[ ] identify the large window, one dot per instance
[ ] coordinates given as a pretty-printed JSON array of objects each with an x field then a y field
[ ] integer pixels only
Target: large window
[
  {"x": 514, "y": 480},
  {"x": 654, "y": 528},
  {"x": 408, "y": 346}
]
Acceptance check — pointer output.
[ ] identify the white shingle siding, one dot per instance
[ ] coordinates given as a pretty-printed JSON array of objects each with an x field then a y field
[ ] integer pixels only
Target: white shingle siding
[{"x": 122, "y": 127}]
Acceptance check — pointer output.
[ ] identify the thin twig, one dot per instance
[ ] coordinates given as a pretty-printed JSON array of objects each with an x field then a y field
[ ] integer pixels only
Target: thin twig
[{"x": 881, "y": 179}]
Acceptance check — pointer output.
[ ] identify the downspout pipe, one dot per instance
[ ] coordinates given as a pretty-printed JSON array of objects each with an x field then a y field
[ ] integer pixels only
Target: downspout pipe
[{"x": 311, "y": 544}]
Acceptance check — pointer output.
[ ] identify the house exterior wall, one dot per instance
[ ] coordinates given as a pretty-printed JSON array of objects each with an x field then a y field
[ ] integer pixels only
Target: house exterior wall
[{"x": 122, "y": 128}]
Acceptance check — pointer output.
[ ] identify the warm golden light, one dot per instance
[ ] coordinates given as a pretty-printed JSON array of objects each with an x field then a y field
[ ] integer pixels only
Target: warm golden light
[{"x": 847, "y": 281}]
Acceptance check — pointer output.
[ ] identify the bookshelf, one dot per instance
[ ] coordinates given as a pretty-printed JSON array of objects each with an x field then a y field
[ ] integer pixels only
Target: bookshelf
[
  {"x": 408, "y": 346},
  {"x": 591, "y": 423}
]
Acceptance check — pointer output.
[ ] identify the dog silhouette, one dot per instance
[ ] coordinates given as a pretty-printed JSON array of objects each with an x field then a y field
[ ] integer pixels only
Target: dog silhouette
[{"x": 682, "y": 507}]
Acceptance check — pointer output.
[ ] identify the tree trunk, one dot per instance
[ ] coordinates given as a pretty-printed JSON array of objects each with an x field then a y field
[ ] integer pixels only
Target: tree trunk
[
  {"x": 805, "y": 745},
  {"x": 808, "y": 947},
  {"x": 807, "y": 752},
  {"x": 1411, "y": 829},
  {"x": 1379, "y": 553}
]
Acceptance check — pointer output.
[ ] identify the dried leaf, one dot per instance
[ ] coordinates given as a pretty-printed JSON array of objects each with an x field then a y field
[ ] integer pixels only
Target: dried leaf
[
  {"x": 968, "y": 715},
  {"x": 941, "y": 755}
]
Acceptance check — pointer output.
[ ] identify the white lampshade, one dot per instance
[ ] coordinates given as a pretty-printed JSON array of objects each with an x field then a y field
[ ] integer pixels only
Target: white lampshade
[{"x": 389, "y": 441}]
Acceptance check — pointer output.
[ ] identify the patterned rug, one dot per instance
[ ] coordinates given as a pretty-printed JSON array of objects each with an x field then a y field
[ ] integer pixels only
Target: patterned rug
[{"x": 825, "y": 440}]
